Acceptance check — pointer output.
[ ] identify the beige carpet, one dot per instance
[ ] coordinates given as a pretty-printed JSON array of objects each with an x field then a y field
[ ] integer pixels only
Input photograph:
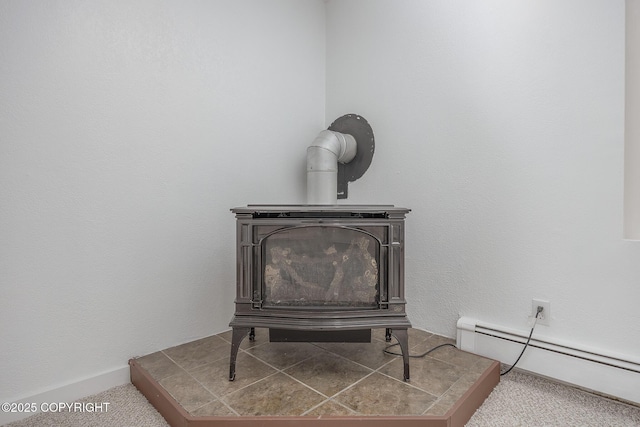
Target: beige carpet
[
  {"x": 127, "y": 407},
  {"x": 526, "y": 400},
  {"x": 520, "y": 400}
]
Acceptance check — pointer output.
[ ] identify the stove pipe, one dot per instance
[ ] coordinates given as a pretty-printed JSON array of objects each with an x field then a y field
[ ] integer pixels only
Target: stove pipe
[{"x": 323, "y": 156}]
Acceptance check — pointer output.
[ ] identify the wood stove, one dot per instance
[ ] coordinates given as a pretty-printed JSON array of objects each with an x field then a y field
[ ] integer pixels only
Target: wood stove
[{"x": 320, "y": 273}]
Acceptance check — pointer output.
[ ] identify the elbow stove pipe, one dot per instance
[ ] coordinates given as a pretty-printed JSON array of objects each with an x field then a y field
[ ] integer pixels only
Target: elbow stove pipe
[{"x": 323, "y": 156}]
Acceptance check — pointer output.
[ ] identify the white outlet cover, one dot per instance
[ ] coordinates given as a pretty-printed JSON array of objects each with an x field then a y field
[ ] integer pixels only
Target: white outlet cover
[{"x": 545, "y": 316}]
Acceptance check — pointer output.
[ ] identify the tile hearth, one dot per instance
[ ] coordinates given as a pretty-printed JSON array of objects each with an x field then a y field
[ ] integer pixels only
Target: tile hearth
[{"x": 315, "y": 379}]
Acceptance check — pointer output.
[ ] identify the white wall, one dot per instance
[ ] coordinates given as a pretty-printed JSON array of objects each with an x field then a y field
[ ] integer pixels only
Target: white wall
[
  {"x": 500, "y": 123},
  {"x": 632, "y": 124},
  {"x": 127, "y": 131}
]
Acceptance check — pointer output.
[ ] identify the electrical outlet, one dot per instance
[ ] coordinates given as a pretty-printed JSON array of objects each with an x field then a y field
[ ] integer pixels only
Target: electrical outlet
[{"x": 545, "y": 315}]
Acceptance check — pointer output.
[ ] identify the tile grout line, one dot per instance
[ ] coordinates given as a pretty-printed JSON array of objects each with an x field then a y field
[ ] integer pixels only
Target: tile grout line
[
  {"x": 327, "y": 399},
  {"x": 197, "y": 366},
  {"x": 281, "y": 371},
  {"x": 439, "y": 398},
  {"x": 351, "y": 360},
  {"x": 222, "y": 398},
  {"x": 306, "y": 385},
  {"x": 404, "y": 382},
  {"x": 330, "y": 399},
  {"x": 275, "y": 367},
  {"x": 353, "y": 385},
  {"x": 216, "y": 398},
  {"x": 344, "y": 357}
]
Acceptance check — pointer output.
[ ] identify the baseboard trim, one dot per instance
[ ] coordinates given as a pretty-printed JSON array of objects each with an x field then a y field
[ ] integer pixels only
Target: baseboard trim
[
  {"x": 70, "y": 392},
  {"x": 593, "y": 369}
]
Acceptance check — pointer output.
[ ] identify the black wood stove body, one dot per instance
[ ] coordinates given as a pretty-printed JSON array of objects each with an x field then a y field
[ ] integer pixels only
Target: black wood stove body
[{"x": 320, "y": 273}]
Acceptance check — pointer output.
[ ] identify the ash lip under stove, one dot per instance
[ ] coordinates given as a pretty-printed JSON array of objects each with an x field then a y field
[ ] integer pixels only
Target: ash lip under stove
[{"x": 320, "y": 273}]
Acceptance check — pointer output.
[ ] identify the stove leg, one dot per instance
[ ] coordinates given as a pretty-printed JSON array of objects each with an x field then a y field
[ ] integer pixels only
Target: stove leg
[
  {"x": 236, "y": 338},
  {"x": 403, "y": 339}
]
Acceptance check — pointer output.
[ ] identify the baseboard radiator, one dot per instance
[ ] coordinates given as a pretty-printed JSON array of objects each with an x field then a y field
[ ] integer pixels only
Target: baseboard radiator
[{"x": 593, "y": 369}]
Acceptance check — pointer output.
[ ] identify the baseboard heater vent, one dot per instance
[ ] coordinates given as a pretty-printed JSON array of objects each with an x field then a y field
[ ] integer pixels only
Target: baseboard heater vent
[{"x": 601, "y": 371}]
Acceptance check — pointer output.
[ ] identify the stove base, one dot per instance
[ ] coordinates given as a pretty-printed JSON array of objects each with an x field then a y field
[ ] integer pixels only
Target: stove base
[{"x": 244, "y": 325}]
